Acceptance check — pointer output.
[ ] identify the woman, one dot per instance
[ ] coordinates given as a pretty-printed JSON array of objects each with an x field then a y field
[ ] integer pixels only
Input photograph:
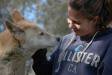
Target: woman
[{"x": 88, "y": 49}]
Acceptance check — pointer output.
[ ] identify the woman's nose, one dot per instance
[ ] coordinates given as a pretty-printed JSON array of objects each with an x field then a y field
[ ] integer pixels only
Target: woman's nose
[{"x": 70, "y": 25}]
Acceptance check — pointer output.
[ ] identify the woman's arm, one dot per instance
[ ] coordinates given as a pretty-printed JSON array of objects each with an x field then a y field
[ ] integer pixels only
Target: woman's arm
[{"x": 41, "y": 65}]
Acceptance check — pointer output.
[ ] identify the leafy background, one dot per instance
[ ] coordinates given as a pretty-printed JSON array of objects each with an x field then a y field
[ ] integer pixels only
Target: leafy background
[{"x": 48, "y": 14}]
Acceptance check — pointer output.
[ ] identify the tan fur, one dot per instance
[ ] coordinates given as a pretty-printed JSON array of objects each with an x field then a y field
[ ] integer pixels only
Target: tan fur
[
  {"x": 6, "y": 42},
  {"x": 19, "y": 42}
]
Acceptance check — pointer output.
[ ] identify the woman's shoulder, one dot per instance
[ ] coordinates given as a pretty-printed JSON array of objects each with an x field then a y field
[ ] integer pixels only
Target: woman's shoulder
[{"x": 107, "y": 34}]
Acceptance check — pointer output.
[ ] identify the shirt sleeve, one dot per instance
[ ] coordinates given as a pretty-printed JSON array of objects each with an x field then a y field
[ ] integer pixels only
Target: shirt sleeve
[
  {"x": 40, "y": 64},
  {"x": 106, "y": 65}
]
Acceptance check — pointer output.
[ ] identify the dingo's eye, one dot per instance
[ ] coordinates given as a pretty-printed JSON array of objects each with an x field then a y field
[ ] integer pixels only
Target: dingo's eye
[{"x": 41, "y": 33}]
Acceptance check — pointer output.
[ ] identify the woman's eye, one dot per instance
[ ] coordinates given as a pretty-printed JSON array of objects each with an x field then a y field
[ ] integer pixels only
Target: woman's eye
[
  {"x": 76, "y": 22},
  {"x": 41, "y": 33},
  {"x": 72, "y": 21}
]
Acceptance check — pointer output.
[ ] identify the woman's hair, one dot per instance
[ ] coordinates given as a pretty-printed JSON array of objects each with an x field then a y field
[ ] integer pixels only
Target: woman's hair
[{"x": 92, "y": 8}]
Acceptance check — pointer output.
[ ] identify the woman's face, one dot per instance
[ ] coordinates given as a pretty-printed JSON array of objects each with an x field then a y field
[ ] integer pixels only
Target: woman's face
[{"x": 80, "y": 24}]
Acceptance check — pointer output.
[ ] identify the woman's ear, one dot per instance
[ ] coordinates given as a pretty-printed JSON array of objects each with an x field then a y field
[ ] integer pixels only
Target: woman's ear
[
  {"x": 96, "y": 19},
  {"x": 97, "y": 23}
]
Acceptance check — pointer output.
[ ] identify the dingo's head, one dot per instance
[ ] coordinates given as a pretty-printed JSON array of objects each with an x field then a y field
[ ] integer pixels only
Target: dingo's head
[{"x": 28, "y": 34}]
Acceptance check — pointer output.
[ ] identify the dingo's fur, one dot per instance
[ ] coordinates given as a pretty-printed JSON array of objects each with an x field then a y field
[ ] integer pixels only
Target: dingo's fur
[{"x": 19, "y": 42}]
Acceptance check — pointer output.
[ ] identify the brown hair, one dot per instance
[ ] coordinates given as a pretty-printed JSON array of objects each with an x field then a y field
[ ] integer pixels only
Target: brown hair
[
  {"x": 92, "y": 8},
  {"x": 108, "y": 3}
]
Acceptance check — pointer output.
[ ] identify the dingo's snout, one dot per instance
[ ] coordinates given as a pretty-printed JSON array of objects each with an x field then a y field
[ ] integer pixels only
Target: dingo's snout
[{"x": 58, "y": 39}]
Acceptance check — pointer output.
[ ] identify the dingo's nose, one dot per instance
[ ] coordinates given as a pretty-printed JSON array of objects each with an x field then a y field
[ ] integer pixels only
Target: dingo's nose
[{"x": 58, "y": 39}]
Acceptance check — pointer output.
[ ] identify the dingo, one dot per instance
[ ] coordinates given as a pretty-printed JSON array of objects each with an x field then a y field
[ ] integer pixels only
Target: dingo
[{"x": 18, "y": 42}]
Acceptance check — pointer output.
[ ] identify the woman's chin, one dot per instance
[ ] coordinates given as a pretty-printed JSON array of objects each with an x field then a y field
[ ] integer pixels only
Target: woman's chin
[
  {"x": 79, "y": 34},
  {"x": 76, "y": 32}
]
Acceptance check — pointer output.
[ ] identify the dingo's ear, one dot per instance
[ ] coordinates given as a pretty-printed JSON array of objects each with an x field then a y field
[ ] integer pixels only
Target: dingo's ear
[
  {"x": 16, "y": 31},
  {"x": 13, "y": 28},
  {"x": 16, "y": 15}
]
